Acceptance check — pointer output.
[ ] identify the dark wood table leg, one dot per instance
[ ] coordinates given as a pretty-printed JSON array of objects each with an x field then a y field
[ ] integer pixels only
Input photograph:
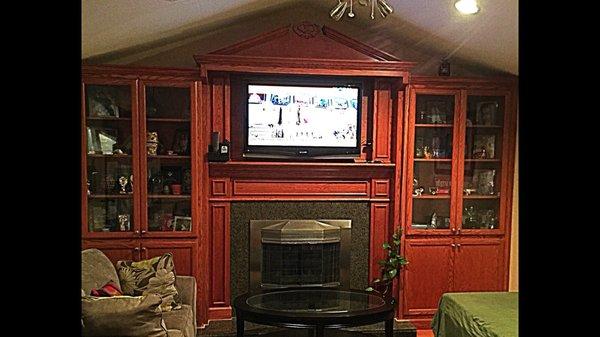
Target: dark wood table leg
[
  {"x": 319, "y": 331},
  {"x": 239, "y": 326},
  {"x": 389, "y": 328}
]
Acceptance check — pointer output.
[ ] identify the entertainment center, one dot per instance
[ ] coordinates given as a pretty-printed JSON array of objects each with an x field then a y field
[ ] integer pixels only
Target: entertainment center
[{"x": 338, "y": 122}]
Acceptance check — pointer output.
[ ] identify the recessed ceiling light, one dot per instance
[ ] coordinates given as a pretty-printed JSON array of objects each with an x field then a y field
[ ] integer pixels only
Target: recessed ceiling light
[{"x": 467, "y": 6}]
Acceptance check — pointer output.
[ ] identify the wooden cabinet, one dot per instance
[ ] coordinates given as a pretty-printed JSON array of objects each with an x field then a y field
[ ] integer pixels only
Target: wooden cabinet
[
  {"x": 185, "y": 252},
  {"x": 115, "y": 250},
  {"x": 139, "y": 137},
  {"x": 427, "y": 276},
  {"x": 457, "y": 189},
  {"x": 440, "y": 265},
  {"x": 478, "y": 265}
]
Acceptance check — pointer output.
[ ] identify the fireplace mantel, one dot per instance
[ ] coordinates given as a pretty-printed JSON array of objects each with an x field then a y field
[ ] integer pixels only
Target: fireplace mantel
[{"x": 301, "y": 170}]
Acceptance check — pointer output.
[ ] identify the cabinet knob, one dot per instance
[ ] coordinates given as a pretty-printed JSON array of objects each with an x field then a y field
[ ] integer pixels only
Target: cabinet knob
[
  {"x": 137, "y": 232},
  {"x": 453, "y": 229},
  {"x": 453, "y": 245},
  {"x": 136, "y": 249},
  {"x": 143, "y": 232},
  {"x": 144, "y": 248},
  {"x": 458, "y": 245}
]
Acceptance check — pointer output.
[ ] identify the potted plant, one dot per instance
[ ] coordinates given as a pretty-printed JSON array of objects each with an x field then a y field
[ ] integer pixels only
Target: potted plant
[{"x": 390, "y": 266}]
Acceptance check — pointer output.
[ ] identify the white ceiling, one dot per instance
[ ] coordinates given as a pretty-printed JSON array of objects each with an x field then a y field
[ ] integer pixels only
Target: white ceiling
[{"x": 489, "y": 38}]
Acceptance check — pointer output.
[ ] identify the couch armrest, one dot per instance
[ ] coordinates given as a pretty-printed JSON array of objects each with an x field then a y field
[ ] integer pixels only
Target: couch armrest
[{"x": 186, "y": 286}]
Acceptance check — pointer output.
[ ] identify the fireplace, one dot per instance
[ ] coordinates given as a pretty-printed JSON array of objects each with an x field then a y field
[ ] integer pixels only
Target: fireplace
[{"x": 299, "y": 253}]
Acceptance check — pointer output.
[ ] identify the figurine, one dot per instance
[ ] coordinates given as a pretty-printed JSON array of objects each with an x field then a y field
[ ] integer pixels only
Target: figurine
[
  {"x": 433, "y": 190},
  {"x": 124, "y": 223},
  {"x": 433, "y": 221},
  {"x": 427, "y": 152},
  {"x": 418, "y": 191},
  {"x": 123, "y": 184}
]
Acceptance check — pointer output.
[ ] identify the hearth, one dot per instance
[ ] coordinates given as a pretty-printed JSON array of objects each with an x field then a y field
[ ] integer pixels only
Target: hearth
[{"x": 299, "y": 253}]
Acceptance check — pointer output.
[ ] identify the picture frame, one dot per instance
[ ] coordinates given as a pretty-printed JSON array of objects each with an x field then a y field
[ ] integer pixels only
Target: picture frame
[
  {"x": 487, "y": 142},
  {"x": 182, "y": 224},
  {"x": 101, "y": 140},
  {"x": 487, "y": 113},
  {"x": 438, "y": 112},
  {"x": 102, "y": 104},
  {"x": 181, "y": 142}
]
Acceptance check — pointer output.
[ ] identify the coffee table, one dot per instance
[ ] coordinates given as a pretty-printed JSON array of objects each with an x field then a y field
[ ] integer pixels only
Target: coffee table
[{"x": 315, "y": 309}]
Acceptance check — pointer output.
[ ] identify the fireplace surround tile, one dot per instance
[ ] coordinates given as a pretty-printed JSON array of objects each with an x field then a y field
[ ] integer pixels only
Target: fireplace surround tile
[{"x": 243, "y": 212}]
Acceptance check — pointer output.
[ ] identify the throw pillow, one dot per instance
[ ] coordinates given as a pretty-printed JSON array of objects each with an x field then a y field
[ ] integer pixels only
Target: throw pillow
[
  {"x": 122, "y": 316},
  {"x": 108, "y": 290},
  {"x": 152, "y": 276}
]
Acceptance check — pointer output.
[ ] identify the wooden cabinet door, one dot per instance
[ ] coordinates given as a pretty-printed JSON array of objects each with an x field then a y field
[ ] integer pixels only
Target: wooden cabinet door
[
  {"x": 115, "y": 250},
  {"x": 427, "y": 276},
  {"x": 185, "y": 253},
  {"x": 479, "y": 265}
]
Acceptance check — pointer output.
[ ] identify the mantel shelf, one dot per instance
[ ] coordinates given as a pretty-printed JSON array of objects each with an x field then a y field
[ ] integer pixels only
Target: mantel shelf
[{"x": 301, "y": 170}]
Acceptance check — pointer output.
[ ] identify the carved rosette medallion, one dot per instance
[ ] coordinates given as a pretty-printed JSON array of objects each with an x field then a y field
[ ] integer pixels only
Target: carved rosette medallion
[{"x": 306, "y": 30}]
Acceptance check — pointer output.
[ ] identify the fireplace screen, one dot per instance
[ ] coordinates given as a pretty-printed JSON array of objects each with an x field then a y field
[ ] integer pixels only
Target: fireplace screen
[{"x": 299, "y": 253}]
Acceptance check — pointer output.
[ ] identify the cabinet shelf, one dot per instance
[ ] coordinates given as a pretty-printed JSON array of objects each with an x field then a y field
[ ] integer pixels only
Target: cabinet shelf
[
  {"x": 168, "y": 120},
  {"x": 481, "y": 196},
  {"x": 169, "y": 196},
  {"x": 110, "y": 156},
  {"x": 433, "y": 159},
  {"x": 110, "y": 196},
  {"x": 434, "y": 125},
  {"x": 165, "y": 156},
  {"x": 108, "y": 119},
  {"x": 485, "y": 126},
  {"x": 431, "y": 196},
  {"x": 483, "y": 160}
]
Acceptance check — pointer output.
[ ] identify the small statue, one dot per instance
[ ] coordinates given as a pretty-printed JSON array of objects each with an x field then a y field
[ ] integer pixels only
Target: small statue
[
  {"x": 123, "y": 183},
  {"x": 427, "y": 152},
  {"x": 124, "y": 223},
  {"x": 433, "y": 221},
  {"x": 433, "y": 190},
  {"x": 418, "y": 191}
]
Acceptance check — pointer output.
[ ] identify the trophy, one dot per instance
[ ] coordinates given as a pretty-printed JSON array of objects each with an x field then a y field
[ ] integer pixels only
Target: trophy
[
  {"x": 152, "y": 143},
  {"x": 123, "y": 183},
  {"x": 124, "y": 223}
]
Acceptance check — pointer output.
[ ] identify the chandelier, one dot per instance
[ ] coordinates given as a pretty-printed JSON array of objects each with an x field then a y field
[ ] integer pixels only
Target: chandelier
[{"x": 380, "y": 5}]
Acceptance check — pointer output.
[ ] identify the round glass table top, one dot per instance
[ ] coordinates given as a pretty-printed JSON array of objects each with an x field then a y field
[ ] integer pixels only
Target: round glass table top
[{"x": 322, "y": 301}]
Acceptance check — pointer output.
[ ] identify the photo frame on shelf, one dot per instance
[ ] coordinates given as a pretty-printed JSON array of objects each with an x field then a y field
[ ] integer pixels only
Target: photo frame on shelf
[
  {"x": 481, "y": 143},
  {"x": 101, "y": 140},
  {"x": 438, "y": 112},
  {"x": 487, "y": 113},
  {"x": 167, "y": 222},
  {"x": 484, "y": 181},
  {"x": 181, "y": 142},
  {"x": 182, "y": 224},
  {"x": 101, "y": 103}
]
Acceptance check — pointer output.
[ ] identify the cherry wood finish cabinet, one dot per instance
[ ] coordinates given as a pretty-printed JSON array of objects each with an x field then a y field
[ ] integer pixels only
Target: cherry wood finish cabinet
[
  {"x": 457, "y": 189},
  {"x": 138, "y": 142},
  {"x": 140, "y": 167}
]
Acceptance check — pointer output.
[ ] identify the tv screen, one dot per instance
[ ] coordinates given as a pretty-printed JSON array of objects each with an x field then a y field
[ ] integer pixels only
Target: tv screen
[{"x": 299, "y": 120}]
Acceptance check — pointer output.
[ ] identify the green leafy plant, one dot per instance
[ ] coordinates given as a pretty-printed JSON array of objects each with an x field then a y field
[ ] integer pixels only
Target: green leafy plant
[{"x": 390, "y": 266}]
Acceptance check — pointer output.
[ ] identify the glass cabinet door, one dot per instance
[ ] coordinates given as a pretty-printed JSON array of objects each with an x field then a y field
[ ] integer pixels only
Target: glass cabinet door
[
  {"x": 108, "y": 143},
  {"x": 166, "y": 143},
  {"x": 484, "y": 125},
  {"x": 432, "y": 155}
]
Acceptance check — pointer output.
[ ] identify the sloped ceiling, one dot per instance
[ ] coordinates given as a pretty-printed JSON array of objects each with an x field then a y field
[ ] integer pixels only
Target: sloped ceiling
[{"x": 168, "y": 33}]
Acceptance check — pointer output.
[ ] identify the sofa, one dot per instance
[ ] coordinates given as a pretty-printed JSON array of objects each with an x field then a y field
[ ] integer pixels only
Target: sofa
[{"x": 97, "y": 270}]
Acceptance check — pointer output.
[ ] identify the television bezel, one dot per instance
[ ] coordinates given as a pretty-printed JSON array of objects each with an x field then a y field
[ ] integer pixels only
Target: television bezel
[{"x": 308, "y": 152}]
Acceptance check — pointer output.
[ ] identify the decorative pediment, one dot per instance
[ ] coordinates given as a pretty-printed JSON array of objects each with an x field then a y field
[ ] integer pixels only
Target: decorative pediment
[{"x": 316, "y": 49}]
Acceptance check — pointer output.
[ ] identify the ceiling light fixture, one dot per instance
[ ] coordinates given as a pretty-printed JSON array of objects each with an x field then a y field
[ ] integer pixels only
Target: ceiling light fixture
[
  {"x": 382, "y": 7},
  {"x": 467, "y": 6}
]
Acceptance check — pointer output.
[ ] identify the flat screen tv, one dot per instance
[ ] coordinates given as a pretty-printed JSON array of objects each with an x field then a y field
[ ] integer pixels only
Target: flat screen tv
[{"x": 310, "y": 120}]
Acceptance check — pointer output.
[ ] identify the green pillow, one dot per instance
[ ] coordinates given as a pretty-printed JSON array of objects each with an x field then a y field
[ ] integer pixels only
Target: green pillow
[
  {"x": 125, "y": 316},
  {"x": 152, "y": 276}
]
